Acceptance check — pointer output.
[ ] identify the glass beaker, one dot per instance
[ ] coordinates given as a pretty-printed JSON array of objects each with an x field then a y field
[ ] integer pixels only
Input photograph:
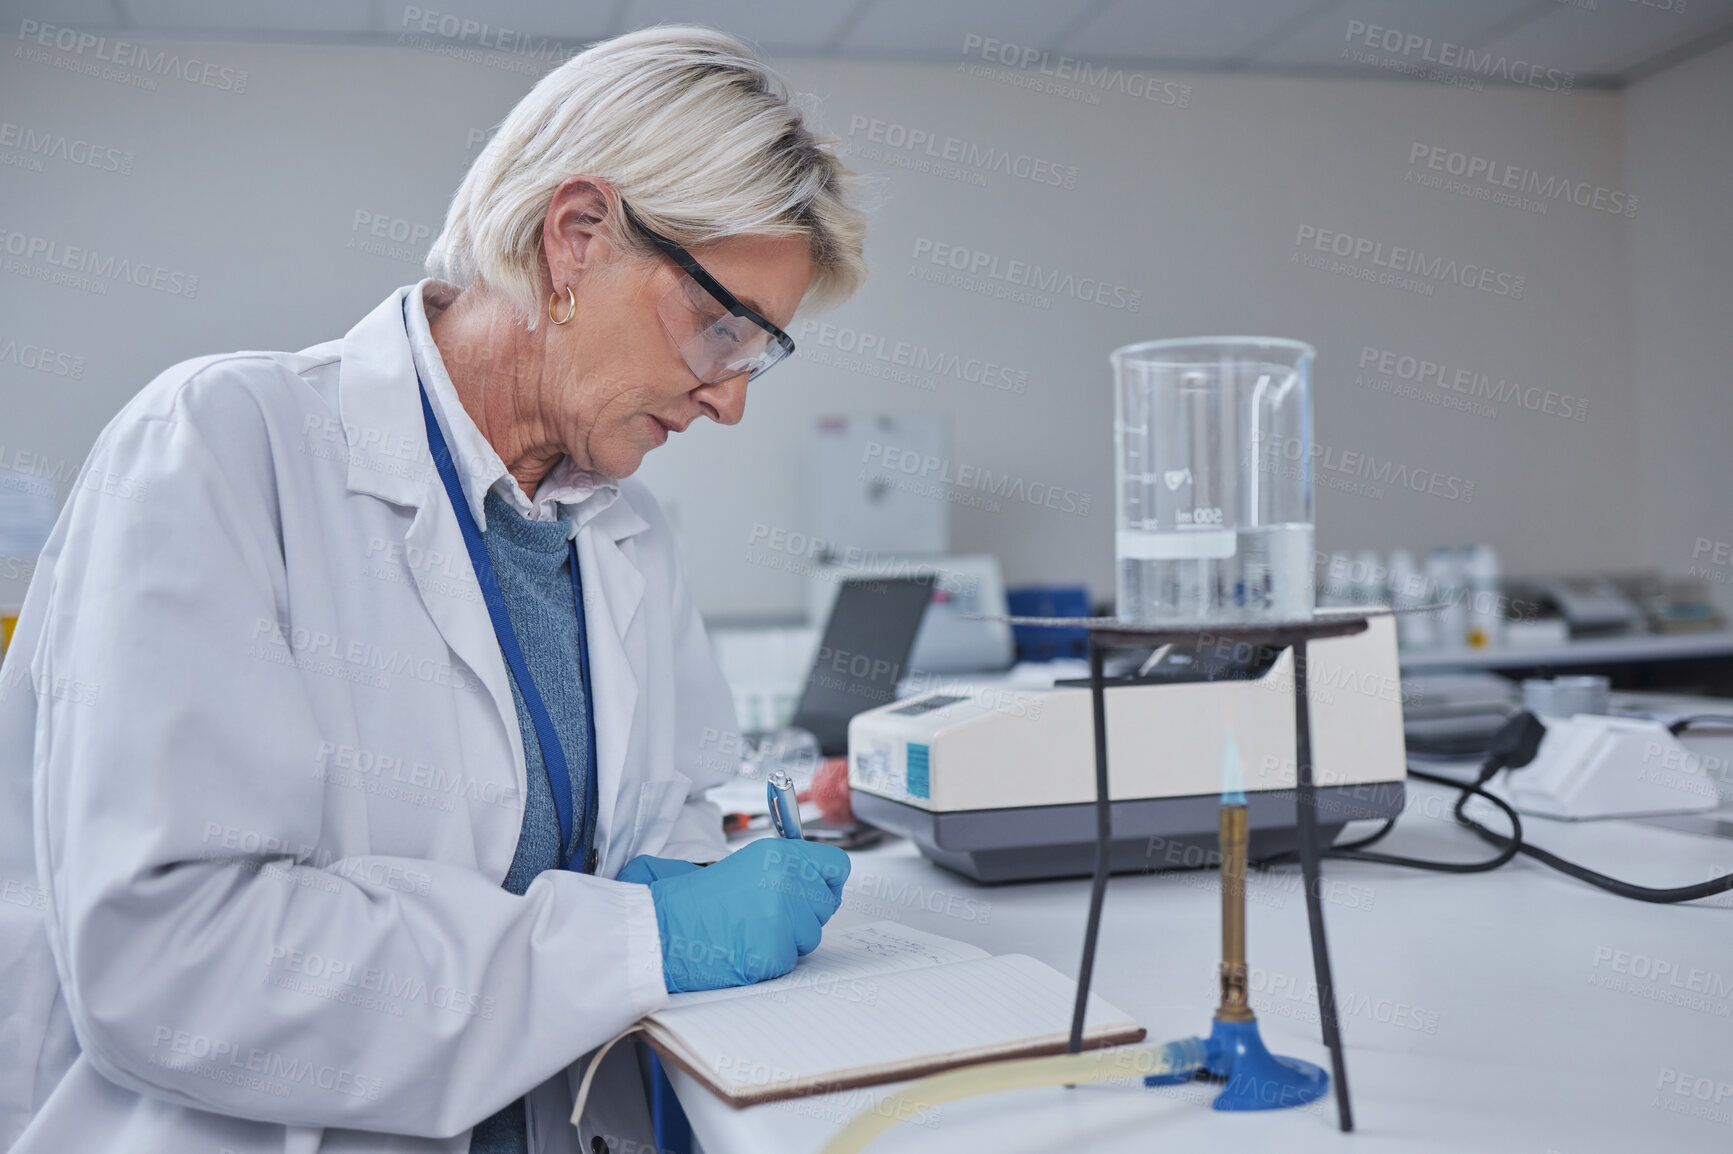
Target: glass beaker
[{"x": 1214, "y": 440}]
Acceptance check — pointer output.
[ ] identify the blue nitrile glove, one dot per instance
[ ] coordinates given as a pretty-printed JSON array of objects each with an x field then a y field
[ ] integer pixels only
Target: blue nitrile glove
[
  {"x": 749, "y": 916},
  {"x": 645, "y": 869}
]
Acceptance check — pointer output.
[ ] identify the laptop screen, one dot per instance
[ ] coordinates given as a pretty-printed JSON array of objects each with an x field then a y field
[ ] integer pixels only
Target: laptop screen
[{"x": 863, "y": 654}]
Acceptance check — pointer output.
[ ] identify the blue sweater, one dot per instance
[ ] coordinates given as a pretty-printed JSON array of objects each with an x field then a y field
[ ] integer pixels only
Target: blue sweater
[{"x": 533, "y": 563}]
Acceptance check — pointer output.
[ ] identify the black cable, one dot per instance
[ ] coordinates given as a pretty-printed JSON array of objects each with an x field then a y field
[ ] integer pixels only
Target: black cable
[
  {"x": 1382, "y": 832},
  {"x": 1355, "y": 850},
  {"x": 1510, "y": 846},
  {"x": 1684, "y": 723},
  {"x": 1514, "y": 747},
  {"x": 1660, "y": 896}
]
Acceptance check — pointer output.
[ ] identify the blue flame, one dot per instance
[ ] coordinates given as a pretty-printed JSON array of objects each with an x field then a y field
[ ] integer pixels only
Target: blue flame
[{"x": 1233, "y": 781}]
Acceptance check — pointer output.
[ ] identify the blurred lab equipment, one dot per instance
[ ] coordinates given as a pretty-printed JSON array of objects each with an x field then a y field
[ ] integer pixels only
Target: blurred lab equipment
[
  {"x": 1482, "y": 579},
  {"x": 789, "y": 750},
  {"x": 997, "y": 782},
  {"x": 1214, "y": 485},
  {"x": 1560, "y": 697},
  {"x": 1463, "y": 601},
  {"x": 26, "y": 518},
  {"x": 1445, "y": 589},
  {"x": 1366, "y": 580},
  {"x": 1590, "y": 766},
  {"x": 1622, "y": 605},
  {"x": 1333, "y": 591},
  {"x": 1414, "y": 630},
  {"x": 1454, "y": 714},
  {"x": 863, "y": 654},
  {"x": 860, "y": 660},
  {"x": 766, "y": 670},
  {"x": 26, "y": 513},
  {"x": 1358, "y": 580},
  {"x": 1591, "y": 605},
  {"x": 1037, "y": 643},
  {"x": 960, "y": 631}
]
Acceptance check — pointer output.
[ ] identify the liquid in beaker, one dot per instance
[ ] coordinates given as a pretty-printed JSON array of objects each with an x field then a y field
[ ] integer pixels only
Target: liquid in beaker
[{"x": 1214, "y": 497}]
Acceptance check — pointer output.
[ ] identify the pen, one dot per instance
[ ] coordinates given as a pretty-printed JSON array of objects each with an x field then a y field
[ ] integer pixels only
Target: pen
[{"x": 784, "y": 808}]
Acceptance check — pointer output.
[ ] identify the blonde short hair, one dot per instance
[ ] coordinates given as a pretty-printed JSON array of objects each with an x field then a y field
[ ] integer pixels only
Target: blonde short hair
[{"x": 690, "y": 128}]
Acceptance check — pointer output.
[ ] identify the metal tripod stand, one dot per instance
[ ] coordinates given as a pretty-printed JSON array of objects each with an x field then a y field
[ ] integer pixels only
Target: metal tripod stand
[{"x": 1108, "y": 634}]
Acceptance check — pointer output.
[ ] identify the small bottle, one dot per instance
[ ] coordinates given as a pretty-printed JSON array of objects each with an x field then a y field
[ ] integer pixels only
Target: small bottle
[
  {"x": 1484, "y": 595},
  {"x": 1367, "y": 576},
  {"x": 1337, "y": 588},
  {"x": 1444, "y": 588},
  {"x": 1407, "y": 593}
]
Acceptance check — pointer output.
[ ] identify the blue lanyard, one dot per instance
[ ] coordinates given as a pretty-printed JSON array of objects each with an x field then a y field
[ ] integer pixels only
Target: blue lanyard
[{"x": 559, "y": 777}]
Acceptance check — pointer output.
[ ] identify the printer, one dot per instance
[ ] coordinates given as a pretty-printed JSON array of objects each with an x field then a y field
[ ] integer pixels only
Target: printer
[{"x": 997, "y": 781}]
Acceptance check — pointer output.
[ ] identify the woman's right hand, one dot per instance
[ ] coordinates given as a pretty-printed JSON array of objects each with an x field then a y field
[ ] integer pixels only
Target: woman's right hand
[
  {"x": 645, "y": 869},
  {"x": 748, "y": 917}
]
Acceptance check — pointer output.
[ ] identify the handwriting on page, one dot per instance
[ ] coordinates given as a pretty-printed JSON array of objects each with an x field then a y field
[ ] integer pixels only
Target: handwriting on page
[
  {"x": 849, "y": 956},
  {"x": 880, "y": 941}
]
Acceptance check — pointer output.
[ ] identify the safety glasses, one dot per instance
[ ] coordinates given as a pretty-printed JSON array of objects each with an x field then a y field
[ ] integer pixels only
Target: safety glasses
[{"x": 718, "y": 335}]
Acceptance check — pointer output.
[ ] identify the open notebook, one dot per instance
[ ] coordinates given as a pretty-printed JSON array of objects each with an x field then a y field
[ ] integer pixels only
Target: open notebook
[{"x": 873, "y": 1004}]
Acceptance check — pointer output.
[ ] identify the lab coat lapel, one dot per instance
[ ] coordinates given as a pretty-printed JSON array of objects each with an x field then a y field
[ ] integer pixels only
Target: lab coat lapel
[
  {"x": 434, "y": 549},
  {"x": 613, "y": 591},
  {"x": 380, "y": 407}
]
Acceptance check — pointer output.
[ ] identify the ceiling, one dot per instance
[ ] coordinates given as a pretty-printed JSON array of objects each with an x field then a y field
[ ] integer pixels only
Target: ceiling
[{"x": 1602, "y": 43}]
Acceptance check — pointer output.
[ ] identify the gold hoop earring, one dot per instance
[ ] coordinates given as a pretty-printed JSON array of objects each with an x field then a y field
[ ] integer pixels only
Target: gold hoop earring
[{"x": 572, "y": 305}]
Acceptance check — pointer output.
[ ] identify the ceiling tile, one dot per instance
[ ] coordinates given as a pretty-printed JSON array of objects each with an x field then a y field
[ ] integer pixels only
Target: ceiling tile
[
  {"x": 928, "y": 29},
  {"x": 1205, "y": 31},
  {"x": 1611, "y": 37},
  {"x": 1321, "y": 41},
  {"x": 573, "y": 23},
  {"x": 784, "y": 25},
  {"x": 332, "y": 16}
]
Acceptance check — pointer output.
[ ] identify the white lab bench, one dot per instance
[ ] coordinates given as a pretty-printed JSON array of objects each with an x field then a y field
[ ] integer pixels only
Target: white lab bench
[{"x": 1517, "y": 1010}]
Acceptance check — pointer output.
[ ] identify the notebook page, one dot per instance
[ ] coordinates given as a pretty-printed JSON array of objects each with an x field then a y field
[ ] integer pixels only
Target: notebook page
[
  {"x": 959, "y": 1010},
  {"x": 844, "y": 959}
]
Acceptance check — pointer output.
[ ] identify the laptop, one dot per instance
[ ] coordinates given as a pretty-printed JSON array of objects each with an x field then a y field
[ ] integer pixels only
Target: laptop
[{"x": 863, "y": 654}]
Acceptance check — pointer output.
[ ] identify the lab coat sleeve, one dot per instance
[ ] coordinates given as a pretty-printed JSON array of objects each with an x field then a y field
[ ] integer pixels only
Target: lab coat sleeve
[{"x": 207, "y": 956}]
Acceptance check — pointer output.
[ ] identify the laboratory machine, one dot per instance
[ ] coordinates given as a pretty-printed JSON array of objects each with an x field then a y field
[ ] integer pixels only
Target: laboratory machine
[{"x": 997, "y": 781}]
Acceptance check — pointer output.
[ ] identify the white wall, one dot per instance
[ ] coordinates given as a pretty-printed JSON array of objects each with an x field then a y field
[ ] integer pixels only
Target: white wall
[
  {"x": 1195, "y": 207},
  {"x": 1679, "y": 153}
]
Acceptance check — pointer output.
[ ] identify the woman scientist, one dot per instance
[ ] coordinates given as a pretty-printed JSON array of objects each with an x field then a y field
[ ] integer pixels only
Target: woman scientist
[{"x": 340, "y": 748}]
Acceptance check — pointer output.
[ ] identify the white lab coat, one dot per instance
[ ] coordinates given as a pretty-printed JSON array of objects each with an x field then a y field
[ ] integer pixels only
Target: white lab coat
[{"x": 261, "y": 778}]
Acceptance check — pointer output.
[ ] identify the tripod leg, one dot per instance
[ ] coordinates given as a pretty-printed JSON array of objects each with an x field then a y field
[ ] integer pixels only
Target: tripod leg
[
  {"x": 1103, "y": 844},
  {"x": 1306, "y": 814}
]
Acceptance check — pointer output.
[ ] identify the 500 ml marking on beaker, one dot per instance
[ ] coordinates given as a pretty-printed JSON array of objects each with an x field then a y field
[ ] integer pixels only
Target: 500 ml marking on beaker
[{"x": 1202, "y": 515}]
